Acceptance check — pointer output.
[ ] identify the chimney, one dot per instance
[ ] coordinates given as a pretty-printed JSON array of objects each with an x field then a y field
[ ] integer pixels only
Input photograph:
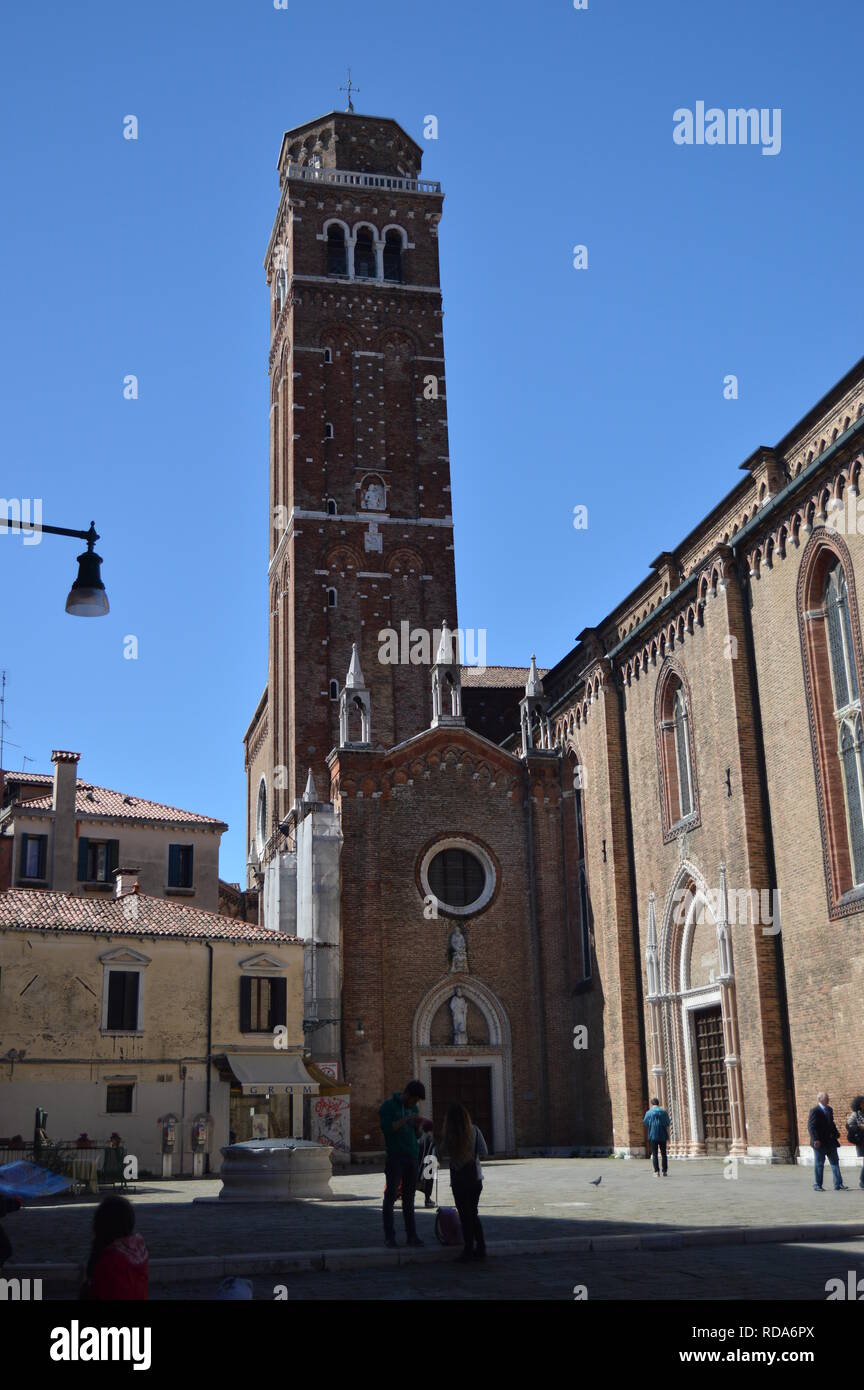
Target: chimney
[
  {"x": 64, "y": 875},
  {"x": 65, "y": 778},
  {"x": 126, "y": 880}
]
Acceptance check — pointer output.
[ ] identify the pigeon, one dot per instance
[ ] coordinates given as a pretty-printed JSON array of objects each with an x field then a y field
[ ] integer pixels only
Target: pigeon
[{"x": 595, "y": 1182}]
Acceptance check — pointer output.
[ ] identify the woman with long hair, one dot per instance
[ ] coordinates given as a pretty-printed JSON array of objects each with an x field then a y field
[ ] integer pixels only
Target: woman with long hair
[
  {"x": 118, "y": 1266},
  {"x": 855, "y": 1129},
  {"x": 465, "y": 1146}
]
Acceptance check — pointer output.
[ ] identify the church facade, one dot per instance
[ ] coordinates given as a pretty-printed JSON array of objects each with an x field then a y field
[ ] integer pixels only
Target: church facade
[{"x": 549, "y": 894}]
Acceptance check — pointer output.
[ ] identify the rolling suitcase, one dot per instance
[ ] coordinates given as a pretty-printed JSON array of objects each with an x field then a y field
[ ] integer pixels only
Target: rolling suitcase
[{"x": 448, "y": 1227}]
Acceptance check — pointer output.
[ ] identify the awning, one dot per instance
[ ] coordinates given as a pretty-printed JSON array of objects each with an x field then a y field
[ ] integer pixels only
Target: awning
[{"x": 269, "y": 1074}]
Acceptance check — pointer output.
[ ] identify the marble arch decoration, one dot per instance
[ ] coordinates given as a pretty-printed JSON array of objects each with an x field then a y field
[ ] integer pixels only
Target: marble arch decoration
[
  {"x": 496, "y": 1054},
  {"x": 686, "y": 983}
]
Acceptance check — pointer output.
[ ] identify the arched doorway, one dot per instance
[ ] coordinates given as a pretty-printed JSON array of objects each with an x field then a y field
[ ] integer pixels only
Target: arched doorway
[
  {"x": 477, "y": 1071},
  {"x": 693, "y": 1024}
]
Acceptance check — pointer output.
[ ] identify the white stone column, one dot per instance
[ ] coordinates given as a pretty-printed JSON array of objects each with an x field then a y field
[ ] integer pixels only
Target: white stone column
[{"x": 319, "y": 846}]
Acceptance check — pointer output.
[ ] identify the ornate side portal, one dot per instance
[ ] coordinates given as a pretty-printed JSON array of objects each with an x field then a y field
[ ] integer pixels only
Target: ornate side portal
[{"x": 694, "y": 1053}]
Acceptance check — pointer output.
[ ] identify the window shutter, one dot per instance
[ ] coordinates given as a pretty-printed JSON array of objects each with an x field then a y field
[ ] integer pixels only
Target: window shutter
[
  {"x": 174, "y": 866},
  {"x": 246, "y": 1004},
  {"x": 115, "y": 1000},
  {"x": 130, "y": 998},
  {"x": 278, "y": 1002},
  {"x": 43, "y": 855},
  {"x": 112, "y": 858},
  {"x": 83, "y": 850},
  {"x": 123, "y": 1000}
]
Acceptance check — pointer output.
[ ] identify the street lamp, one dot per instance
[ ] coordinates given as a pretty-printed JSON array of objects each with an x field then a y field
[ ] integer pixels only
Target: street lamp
[{"x": 87, "y": 597}]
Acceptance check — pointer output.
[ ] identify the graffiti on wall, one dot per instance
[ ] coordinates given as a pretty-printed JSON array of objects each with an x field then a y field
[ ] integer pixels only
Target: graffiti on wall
[{"x": 331, "y": 1117}]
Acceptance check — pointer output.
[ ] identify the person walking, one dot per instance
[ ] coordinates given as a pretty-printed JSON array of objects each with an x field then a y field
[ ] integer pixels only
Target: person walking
[
  {"x": 855, "y": 1130},
  {"x": 823, "y": 1136},
  {"x": 118, "y": 1267},
  {"x": 659, "y": 1124},
  {"x": 427, "y": 1162},
  {"x": 465, "y": 1147},
  {"x": 400, "y": 1122}
]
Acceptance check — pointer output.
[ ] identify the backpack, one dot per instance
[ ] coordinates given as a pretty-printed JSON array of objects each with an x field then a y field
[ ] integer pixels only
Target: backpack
[{"x": 854, "y": 1131}]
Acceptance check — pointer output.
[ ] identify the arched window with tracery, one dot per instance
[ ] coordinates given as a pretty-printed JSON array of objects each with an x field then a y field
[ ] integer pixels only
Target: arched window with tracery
[
  {"x": 675, "y": 752},
  {"x": 847, "y": 711},
  {"x": 831, "y": 641}
]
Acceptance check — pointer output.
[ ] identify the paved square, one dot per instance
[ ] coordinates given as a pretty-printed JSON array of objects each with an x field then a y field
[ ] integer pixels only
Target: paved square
[{"x": 522, "y": 1199}]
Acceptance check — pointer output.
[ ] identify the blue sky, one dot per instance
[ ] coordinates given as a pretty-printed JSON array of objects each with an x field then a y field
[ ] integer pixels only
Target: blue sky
[{"x": 601, "y": 387}]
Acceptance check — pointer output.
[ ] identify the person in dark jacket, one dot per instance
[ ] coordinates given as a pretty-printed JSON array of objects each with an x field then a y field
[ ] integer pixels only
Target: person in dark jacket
[
  {"x": 400, "y": 1122},
  {"x": 427, "y": 1162},
  {"x": 824, "y": 1135},
  {"x": 118, "y": 1267},
  {"x": 465, "y": 1146},
  {"x": 659, "y": 1124},
  {"x": 7, "y": 1204},
  {"x": 855, "y": 1130}
]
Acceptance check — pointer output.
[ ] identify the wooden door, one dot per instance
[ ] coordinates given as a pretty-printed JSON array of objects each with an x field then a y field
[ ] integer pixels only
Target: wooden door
[
  {"x": 468, "y": 1086},
  {"x": 713, "y": 1087}
]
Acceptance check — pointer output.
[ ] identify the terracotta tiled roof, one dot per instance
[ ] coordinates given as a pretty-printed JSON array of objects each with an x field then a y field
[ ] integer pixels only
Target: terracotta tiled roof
[
  {"x": 102, "y": 801},
  {"x": 41, "y": 777},
  {"x": 135, "y": 914},
  {"x": 501, "y": 677}
]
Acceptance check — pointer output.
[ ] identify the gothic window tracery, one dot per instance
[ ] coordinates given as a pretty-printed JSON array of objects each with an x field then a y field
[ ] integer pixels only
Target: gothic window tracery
[
  {"x": 847, "y": 713},
  {"x": 675, "y": 745},
  {"x": 831, "y": 649}
]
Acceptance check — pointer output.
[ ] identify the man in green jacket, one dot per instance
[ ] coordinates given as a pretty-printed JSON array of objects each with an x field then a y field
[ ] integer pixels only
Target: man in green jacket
[{"x": 400, "y": 1123}]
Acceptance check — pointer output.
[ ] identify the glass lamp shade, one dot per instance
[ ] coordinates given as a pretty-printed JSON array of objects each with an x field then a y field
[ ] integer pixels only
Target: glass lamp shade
[{"x": 87, "y": 597}]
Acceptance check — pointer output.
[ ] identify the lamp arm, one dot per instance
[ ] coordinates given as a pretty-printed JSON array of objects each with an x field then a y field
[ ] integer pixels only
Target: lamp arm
[{"x": 91, "y": 536}]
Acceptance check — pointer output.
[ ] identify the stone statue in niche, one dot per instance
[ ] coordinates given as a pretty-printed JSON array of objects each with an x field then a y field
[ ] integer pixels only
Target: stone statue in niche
[
  {"x": 457, "y": 950},
  {"x": 459, "y": 1011},
  {"x": 374, "y": 497}
]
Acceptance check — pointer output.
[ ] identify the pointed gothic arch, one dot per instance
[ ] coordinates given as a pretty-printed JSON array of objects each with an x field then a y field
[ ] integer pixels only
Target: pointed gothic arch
[
  {"x": 831, "y": 649},
  {"x": 496, "y": 1054},
  {"x": 695, "y": 980}
]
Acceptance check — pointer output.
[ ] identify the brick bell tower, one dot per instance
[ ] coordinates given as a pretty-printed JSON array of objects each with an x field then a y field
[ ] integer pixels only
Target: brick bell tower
[{"x": 361, "y": 536}]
